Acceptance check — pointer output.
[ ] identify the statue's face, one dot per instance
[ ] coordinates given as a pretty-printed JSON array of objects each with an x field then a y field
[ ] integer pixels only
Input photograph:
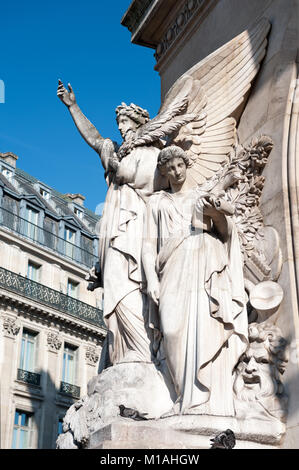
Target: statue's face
[
  {"x": 126, "y": 125},
  {"x": 255, "y": 361},
  {"x": 255, "y": 373},
  {"x": 176, "y": 170}
]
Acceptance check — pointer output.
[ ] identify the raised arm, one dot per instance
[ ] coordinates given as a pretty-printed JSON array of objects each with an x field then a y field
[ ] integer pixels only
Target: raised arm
[{"x": 89, "y": 133}]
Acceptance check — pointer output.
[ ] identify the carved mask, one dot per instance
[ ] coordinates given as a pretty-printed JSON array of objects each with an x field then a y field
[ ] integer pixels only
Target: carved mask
[{"x": 255, "y": 374}]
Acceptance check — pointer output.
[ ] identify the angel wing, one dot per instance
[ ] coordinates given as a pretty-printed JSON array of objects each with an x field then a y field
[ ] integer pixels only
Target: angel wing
[
  {"x": 225, "y": 79},
  {"x": 167, "y": 122},
  {"x": 202, "y": 108}
]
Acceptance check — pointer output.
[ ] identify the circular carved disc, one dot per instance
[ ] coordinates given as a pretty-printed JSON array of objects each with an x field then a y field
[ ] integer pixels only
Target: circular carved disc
[{"x": 266, "y": 295}]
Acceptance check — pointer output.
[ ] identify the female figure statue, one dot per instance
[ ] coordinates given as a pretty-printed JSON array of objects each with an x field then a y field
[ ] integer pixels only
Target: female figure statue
[{"x": 194, "y": 271}]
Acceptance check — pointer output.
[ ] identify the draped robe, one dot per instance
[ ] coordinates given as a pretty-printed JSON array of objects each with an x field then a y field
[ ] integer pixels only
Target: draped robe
[
  {"x": 202, "y": 305},
  {"x": 120, "y": 241}
]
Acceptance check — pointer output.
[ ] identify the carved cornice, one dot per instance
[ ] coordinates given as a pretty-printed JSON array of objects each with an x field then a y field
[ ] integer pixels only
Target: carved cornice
[
  {"x": 159, "y": 24},
  {"x": 133, "y": 16},
  {"x": 183, "y": 18}
]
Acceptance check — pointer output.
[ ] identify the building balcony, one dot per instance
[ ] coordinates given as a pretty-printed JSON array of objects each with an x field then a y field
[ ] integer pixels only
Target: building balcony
[
  {"x": 49, "y": 297},
  {"x": 28, "y": 377},
  {"x": 69, "y": 389},
  {"x": 45, "y": 238}
]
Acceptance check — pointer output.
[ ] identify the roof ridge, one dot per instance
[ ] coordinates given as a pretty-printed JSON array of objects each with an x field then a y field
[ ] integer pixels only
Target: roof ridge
[{"x": 33, "y": 179}]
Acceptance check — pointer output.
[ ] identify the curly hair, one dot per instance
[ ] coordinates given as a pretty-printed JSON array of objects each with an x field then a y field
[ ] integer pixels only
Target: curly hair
[
  {"x": 168, "y": 153},
  {"x": 274, "y": 343},
  {"x": 134, "y": 112}
]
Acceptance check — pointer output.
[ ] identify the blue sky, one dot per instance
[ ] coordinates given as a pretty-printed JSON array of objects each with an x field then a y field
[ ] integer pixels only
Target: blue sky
[{"x": 81, "y": 42}]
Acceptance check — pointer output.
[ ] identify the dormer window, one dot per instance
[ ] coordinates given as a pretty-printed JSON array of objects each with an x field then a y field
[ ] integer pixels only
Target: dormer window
[
  {"x": 78, "y": 212},
  {"x": 45, "y": 194},
  {"x": 7, "y": 173},
  {"x": 8, "y": 165}
]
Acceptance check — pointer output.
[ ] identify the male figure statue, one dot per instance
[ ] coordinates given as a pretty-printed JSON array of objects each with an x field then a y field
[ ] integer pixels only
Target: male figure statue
[{"x": 131, "y": 177}]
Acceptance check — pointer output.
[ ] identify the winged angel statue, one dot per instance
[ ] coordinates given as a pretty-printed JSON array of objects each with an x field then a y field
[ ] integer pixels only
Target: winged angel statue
[
  {"x": 181, "y": 243},
  {"x": 199, "y": 115}
]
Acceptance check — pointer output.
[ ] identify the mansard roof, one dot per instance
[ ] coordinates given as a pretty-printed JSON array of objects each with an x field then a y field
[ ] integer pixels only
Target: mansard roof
[{"x": 25, "y": 186}]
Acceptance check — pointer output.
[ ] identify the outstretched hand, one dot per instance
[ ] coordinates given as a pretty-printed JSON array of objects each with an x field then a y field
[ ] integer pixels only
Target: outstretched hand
[{"x": 67, "y": 97}]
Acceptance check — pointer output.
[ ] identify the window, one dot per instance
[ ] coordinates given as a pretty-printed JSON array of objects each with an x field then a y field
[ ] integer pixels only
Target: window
[
  {"x": 69, "y": 235},
  {"x": 22, "y": 431},
  {"x": 33, "y": 271},
  {"x": 72, "y": 288},
  {"x": 45, "y": 194},
  {"x": 69, "y": 364},
  {"x": 28, "y": 351},
  {"x": 31, "y": 229},
  {"x": 78, "y": 212},
  {"x": 7, "y": 173},
  {"x": 70, "y": 239}
]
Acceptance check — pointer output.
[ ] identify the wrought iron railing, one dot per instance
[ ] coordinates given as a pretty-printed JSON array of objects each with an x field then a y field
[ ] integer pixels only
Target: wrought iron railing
[
  {"x": 44, "y": 237},
  {"x": 50, "y": 297},
  {"x": 69, "y": 389},
  {"x": 28, "y": 377}
]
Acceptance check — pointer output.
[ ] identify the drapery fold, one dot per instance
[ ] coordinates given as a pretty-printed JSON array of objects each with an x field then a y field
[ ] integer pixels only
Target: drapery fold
[
  {"x": 202, "y": 308},
  {"x": 120, "y": 242}
]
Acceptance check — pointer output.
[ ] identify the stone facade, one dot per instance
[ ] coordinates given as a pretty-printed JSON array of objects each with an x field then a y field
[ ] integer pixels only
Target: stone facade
[
  {"x": 185, "y": 32},
  {"x": 51, "y": 327}
]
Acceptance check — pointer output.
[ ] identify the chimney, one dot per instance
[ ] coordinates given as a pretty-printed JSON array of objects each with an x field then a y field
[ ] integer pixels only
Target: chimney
[
  {"x": 9, "y": 158},
  {"x": 77, "y": 198}
]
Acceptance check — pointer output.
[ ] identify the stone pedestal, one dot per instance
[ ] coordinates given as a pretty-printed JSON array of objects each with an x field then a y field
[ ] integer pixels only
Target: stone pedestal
[{"x": 185, "y": 432}]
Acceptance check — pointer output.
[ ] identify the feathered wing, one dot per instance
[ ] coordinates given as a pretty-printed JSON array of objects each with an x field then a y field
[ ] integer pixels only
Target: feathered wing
[
  {"x": 171, "y": 118},
  {"x": 225, "y": 77},
  {"x": 201, "y": 109},
  {"x": 168, "y": 121}
]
